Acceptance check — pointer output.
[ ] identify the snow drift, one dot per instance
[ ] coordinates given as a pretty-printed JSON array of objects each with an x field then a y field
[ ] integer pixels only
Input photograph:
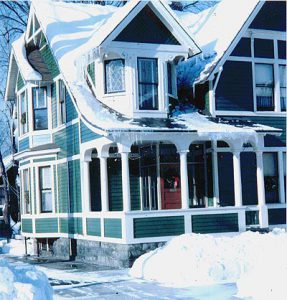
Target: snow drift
[
  {"x": 256, "y": 262},
  {"x": 23, "y": 282}
]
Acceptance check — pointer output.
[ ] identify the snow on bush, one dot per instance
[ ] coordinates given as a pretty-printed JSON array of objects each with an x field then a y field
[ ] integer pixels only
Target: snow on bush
[
  {"x": 257, "y": 262},
  {"x": 23, "y": 282}
]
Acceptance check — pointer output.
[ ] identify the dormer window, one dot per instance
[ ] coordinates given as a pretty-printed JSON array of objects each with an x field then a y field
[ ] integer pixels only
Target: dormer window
[
  {"x": 40, "y": 108},
  {"x": 148, "y": 83},
  {"x": 114, "y": 76}
]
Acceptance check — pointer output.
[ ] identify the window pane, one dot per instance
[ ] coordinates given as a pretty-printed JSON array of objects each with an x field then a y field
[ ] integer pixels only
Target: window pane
[
  {"x": 62, "y": 104},
  {"x": 270, "y": 166},
  {"x": 45, "y": 177},
  {"x": 282, "y": 72},
  {"x": 46, "y": 201},
  {"x": 263, "y": 48},
  {"x": 40, "y": 119},
  {"x": 24, "y": 116},
  {"x": 284, "y": 163},
  {"x": 41, "y": 98},
  {"x": 282, "y": 49},
  {"x": 169, "y": 77},
  {"x": 115, "y": 77},
  {"x": 264, "y": 74},
  {"x": 148, "y": 98},
  {"x": 147, "y": 70}
]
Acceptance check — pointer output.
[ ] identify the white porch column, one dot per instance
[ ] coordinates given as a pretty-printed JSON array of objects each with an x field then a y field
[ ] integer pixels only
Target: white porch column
[
  {"x": 184, "y": 179},
  {"x": 281, "y": 177},
  {"x": 86, "y": 191},
  {"x": 104, "y": 183},
  {"x": 237, "y": 178},
  {"x": 215, "y": 174},
  {"x": 126, "y": 181},
  {"x": 263, "y": 212}
]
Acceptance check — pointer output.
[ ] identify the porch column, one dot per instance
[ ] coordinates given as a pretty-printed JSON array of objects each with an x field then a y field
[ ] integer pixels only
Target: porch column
[
  {"x": 263, "y": 212},
  {"x": 104, "y": 183},
  {"x": 184, "y": 179},
  {"x": 86, "y": 184},
  {"x": 215, "y": 174},
  {"x": 237, "y": 178},
  {"x": 126, "y": 181}
]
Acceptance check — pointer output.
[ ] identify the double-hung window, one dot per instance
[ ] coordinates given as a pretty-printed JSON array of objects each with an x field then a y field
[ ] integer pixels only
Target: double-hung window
[
  {"x": 45, "y": 187},
  {"x": 40, "y": 108},
  {"x": 264, "y": 80},
  {"x": 271, "y": 177},
  {"x": 23, "y": 113},
  {"x": 61, "y": 102},
  {"x": 282, "y": 74},
  {"x": 26, "y": 192},
  {"x": 148, "y": 83},
  {"x": 114, "y": 76}
]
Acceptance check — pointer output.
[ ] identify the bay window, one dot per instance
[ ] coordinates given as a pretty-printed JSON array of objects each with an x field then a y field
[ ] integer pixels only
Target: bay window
[
  {"x": 148, "y": 83},
  {"x": 23, "y": 114},
  {"x": 40, "y": 108},
  {"x": 282, "y": 74},
  {"x": 61, "y": 102},
  {"x": 114, "y": 76},
  {"x": 271, "y": 177},
  {"x": 45, "y": 187},
  {"x": 26, "y": 192},
  {"x": 264, "y": 80}
]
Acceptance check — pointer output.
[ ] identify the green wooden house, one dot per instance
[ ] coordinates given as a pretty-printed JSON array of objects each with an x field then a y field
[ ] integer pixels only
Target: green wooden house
[{"x": 139, "y": 123}]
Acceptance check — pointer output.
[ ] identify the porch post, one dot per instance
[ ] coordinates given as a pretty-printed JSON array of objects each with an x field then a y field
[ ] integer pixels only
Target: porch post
[
  {"x": 263, "y": 212},
  {"x": 104, "y": 183},
  {"x": 184, "y": 179},
  {"x": 237, "y": 178},
  {"x": 126, "y": 181},
  {"x": 215, "y": 174},
  {"x": 85, "y": 185}
]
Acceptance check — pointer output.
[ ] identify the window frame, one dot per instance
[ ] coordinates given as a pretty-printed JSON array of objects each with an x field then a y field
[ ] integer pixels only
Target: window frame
[
  {"x": 25, "y": 125},
  {"x": 26, "y": 180},
  {"x": 105, "y": 76},
  {"x": 46, "y": 190},
  {"x": 147, "y": 83},
  {"x": 41, "y": 108},
  {"x": 61, "y": 103}
]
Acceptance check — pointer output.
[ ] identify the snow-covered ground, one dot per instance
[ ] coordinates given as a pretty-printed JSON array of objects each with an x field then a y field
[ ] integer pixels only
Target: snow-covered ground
[{"x": 256, "y": 262}]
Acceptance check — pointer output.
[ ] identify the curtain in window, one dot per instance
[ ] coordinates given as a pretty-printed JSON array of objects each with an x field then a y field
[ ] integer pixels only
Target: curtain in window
[
  {"x": 115, "y": 76},
  {"x": 282, "y": 73},
  {"x": 46, "y": 189},
  {"x": 264, "y": 86},
  {"x": 148, "y": 83}
]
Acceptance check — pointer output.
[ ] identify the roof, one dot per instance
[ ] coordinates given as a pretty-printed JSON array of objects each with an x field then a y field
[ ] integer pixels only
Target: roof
[{"x": 215, "y": 29}]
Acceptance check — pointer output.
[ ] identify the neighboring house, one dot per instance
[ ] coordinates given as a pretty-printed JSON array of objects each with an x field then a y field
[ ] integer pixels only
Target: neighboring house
[{"x": 111, "y": 158}]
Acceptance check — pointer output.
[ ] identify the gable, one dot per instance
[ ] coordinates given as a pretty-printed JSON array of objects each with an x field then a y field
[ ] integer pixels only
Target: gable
[
  {"x": 146, "y": 27},
  {"x": 272, "y": 16}
]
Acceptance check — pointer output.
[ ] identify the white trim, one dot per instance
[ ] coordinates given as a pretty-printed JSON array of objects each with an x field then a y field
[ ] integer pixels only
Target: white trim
[{"x": 28, "y": 154}]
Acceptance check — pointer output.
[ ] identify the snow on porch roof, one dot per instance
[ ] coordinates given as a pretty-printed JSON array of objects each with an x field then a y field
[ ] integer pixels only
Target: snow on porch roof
[{"x": 214, "y": 29}]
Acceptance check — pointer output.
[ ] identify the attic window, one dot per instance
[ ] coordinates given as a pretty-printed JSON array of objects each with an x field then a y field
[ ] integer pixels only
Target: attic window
[{"x": 114, "y": 76}]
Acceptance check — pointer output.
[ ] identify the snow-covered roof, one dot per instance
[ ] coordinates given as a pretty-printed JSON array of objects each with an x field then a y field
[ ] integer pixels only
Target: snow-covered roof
[{"x": 214, "y": 29}]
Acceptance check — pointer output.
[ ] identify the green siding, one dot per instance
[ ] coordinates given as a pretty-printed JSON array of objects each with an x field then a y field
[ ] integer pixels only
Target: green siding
[
  {"x": 49, "y": 61},
  {"x": 54, "y": 105},
  {"x": 87, "y": 134},
  {"x": 215, "y": 223},
  {"x": 113, "y": 228},
  {"x": 94, "y": 226},
  {"x": 23, "y": 144},
  {"x": 34, "y": 191},
  {"x": 20, "y": 82},
  {"x": 91, "y": 71},
  {"x": 43, "y": 159},
  {"x": 277, "y": 216},
  {"x": 68, "y": 140},
  {"x": 115, "y": 184},
  {"x": 27, "y": 225},
  {"x": 49, "y": 225},
  {"x": 75, "y": 186},
  {"x": 24, "y": 163},
  {"x": 71, "y": 112},
  {"x": 63, "y": 188},
  {"x": 158, "y": 226},
  {"x": 55, "y": 188},
  {"x": 71, "y": 225}
]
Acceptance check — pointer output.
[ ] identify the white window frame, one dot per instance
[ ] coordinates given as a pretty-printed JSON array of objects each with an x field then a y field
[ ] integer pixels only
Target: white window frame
[
  {"x": 106, "y": 92},
  {"x": 24, "y": 207},
  {"x": 45, "y": 107},
  {"x": 61, "y": 110},
  {"x": 21, "y": 125}
]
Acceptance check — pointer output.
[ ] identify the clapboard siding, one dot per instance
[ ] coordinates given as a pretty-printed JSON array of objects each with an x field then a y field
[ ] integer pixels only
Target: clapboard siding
[
  {"x": 20, "y": 82},
  {"x": 215, "y": 223},
  {"x": 27, "y": 225},
  {"x": 71, "y": 225},
  {"x": 23, "y": 144},
  {"x": 67, "y": 140},
  {"x": 235, "y": 90},
  {"x": 71, "y": 112},
  {"x": 63, "y": 188},
  {"x": 54, "y": 105},
  {"x": 158, "y": 226},
  {"x": 91, "y": 71},
  {"x": 94, "y": 226},
  {"x": 87, "y": 134},
  {"x": 55, "y": 188},
  {"x": 75, "y": 186},
  {"x": 49, "y": 225},
  {"x": 43, "y": 159},
  {"x": 277, "y": 216},
  {"x": 115, "y": 184},
  {"x": 34, "y": 191},
  {"x": 49, "y": 61},
  {"x": 113, "y": 228}
]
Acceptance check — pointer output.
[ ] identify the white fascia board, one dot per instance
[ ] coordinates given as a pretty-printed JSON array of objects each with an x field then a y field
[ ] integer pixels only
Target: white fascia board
[
  {"x": 8, "y": 82},
  {"x": 26, "y": 154},
  {"x": 29, "y": 21},
  {"x": 236, "y": 39}
]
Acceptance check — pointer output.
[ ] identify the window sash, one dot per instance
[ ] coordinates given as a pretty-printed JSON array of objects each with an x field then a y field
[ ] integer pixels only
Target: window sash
[
  {"x": 62, "y": 102},
  {"x": 45, "y": 187},
  {"x": 114, "y": 76},
  {"x": 282, "y": 74},
  {"x": 24, "y": 113},
  {"x": 40, "y": 108},
  {"x": 26, "y": 192}
]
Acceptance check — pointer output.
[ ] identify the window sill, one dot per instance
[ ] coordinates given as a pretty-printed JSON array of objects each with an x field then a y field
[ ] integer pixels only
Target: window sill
[{"x": 111, "y": 95}]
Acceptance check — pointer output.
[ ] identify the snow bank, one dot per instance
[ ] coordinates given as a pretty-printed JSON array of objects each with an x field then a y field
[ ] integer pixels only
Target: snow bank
[
  {"x": 16, "y": 247},
  {"x": 256, "y": 262},
  {"x": 23, "y": 282}
]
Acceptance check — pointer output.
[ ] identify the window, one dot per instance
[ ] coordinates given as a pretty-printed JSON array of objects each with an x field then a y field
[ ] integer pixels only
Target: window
[
  {"x": 23, "y": 114},
  {"x": 148, "y": 83},
  {"x": 264, "y": 80},
  {"x": 115, "y": 76},
  {"x": 45, "y": 189},
  {"x": 284, "y": 172},
  {"x": 61, "y": 102},
  {"x": 270, "y": 166},
  {"x": 26, "y": 192},
  {"x": 282, "y": 74},
  {"x": 170, "y": 78},
  {"x": 40, "y": 108}
]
